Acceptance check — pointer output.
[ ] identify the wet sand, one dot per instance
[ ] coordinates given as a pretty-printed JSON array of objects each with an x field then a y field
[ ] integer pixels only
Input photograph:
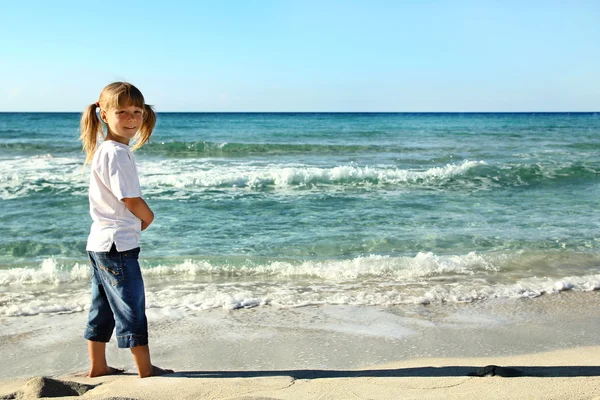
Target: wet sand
[{"x": 546, "y": 347}]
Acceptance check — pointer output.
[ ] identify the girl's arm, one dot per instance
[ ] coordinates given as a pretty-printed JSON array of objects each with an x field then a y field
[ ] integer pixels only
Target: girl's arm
[{"x": 140, "y": 209}]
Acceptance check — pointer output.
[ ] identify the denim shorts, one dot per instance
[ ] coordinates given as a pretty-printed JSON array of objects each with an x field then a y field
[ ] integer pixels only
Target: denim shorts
[{"x": 118, "y": 299}]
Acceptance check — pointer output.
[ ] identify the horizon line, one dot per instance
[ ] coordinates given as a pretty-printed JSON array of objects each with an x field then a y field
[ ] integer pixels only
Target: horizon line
[{"x": 327, "y": 112}]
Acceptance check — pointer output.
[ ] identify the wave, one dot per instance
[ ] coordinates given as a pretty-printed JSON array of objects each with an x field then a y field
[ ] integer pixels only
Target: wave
[
  {"x": 203, "y": 149},
  {"x": 30, "y": 148},
  {"x": 29, "y": 176},
  {"x": 467, "y": 175},
  {"x": 369, "y": 281},
  {"x": 211, "y": 149},
  {"x": 398, "y": 268},
  {"x": 11, "y": 132},
  {"x": 41, "y": 175},
  {"x": 282, "y": 176},
  {"x": 530, "y": 174},
  {"x": 56, "y": 175}
]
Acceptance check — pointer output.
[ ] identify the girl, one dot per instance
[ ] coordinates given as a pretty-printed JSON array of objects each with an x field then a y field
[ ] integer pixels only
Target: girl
[{"x": 119, "y": 214}]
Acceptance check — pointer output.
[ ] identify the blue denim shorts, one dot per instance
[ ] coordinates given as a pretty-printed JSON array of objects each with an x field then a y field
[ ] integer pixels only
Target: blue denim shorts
[{"x": 118, "y": 299}]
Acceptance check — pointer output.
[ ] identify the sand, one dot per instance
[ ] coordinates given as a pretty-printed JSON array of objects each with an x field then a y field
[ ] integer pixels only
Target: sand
[
  {"x": 544, "y": 348},
  {"x": 562, "y": 374}
]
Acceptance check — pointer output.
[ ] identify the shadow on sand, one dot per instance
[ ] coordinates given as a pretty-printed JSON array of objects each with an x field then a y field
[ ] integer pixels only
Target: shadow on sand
[{"x": 449, "y": 371}]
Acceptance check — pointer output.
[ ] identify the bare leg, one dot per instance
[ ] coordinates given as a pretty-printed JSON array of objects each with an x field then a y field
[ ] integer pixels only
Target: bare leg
[
  {"x": 99, "y": 367},
  {"x": 141, "y": 357}
]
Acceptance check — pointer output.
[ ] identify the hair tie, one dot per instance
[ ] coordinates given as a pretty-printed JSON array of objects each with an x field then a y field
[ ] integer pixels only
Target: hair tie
[{"x": 97, "y": 104}]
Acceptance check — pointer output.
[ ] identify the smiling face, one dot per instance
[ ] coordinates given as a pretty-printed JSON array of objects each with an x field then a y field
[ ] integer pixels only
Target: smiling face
[{"x": 123, "y": 122}]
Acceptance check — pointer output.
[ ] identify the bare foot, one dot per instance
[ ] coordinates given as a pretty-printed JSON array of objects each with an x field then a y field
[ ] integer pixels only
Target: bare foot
[
  {"x": 156, "y": 371},
  {"x": 108, "y": 371}
]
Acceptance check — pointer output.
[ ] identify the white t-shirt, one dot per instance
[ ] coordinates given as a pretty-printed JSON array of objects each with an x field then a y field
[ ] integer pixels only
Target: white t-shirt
[{"x": 113, "y": 178}]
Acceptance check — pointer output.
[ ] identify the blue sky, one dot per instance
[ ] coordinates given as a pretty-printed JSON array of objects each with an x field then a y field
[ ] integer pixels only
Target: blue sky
[{"x": 304, "y": 55}]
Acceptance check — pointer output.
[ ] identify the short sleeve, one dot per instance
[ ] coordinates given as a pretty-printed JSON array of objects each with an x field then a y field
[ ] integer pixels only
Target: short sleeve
[{"x": 122, "y": 180}]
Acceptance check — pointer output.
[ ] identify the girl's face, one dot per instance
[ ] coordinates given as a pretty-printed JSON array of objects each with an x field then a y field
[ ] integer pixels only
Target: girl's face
[{"x": 123, "y": 123}]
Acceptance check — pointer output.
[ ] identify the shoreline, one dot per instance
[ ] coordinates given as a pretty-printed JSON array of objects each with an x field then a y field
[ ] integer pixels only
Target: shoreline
[{"x": 321, "y": 350}]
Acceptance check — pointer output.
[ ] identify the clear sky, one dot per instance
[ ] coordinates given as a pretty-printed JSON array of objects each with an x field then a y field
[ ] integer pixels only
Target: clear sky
[{"x": 304, "y": 55}]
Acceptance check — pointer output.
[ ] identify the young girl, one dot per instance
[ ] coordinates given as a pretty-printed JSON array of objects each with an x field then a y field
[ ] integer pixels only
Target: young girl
[{"x": 119, "y": 215}]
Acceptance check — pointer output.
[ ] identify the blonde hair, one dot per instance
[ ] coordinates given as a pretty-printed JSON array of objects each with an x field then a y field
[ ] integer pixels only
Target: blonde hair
[{"x": 115, "y": 95}]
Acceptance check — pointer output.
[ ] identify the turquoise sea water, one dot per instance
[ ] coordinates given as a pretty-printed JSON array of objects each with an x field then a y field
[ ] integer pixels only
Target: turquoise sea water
[{"x": 297, "y": 209}]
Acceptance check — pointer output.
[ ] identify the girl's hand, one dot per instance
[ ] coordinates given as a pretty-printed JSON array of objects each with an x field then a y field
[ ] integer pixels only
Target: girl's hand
[{"x": 140, "y": 209}]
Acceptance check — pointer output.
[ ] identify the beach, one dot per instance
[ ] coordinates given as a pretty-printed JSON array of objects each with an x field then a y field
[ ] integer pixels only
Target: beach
[
  {"x": 319, "y": 255},
  {"x": 357, "y": 200},
  {"x": 566, "y": 374},
  {"x": 544, "y": 348}
]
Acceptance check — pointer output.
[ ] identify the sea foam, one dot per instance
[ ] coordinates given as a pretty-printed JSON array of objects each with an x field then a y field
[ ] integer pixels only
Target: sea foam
[
  {"x": 367, "y": 281},
  {"x": 283, "y": 176},
  {"x": 28, "y": 176}
]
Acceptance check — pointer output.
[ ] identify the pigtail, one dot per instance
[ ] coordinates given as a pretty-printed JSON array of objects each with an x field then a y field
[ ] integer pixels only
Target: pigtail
[
  {"x": 148, "y": 124},
  {"x": 91, "y": 130}
]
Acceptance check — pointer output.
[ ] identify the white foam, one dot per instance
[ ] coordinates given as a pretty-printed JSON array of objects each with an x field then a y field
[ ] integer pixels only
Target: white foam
[
  {"x": 49, "y": 272},
  {"x": 43, "y": 301},
  {"x": 203, "y": 175},
  {"x": 24, "y": 176},
  {"x": 53, "y": 288},
  {"x": 398, "y": 268}
]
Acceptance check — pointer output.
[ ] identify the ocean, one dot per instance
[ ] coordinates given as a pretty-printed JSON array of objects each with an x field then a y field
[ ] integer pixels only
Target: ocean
[{"x": 285, "y": 211}]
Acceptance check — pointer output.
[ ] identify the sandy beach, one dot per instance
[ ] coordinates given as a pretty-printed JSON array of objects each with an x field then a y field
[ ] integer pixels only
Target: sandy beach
[
  {"x": 564, "y": 374},
  {"x": 544, "y": 348}
]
